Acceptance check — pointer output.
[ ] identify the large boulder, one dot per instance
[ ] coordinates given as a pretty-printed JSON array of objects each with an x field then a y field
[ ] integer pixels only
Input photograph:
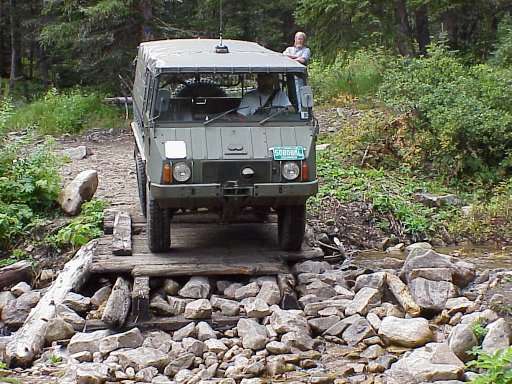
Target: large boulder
[
  {"x": 130, "y": 339},
  {"x": 431, "y": 295},
  {"x": 461, "y": 340},
  {"x": 409, "y": 333},
  {"x": 497, "y": 337},
  {"x": 89, "y": 342},
  {"x": 81, "y": 189},
  {"x": 254, "y": 335}
]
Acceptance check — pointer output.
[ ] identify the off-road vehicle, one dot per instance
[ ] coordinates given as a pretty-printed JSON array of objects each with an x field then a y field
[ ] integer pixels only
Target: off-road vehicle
[{"x": 196, "y": 148}]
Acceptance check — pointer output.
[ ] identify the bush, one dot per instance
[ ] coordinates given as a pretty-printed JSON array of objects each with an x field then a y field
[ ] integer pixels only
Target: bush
[
  {"x": 461, "y": 114},
  {"x": 29, "y": 186},
  {"x": 502, "y": 56},
  {"x": 357, "y": 74},
  {"x": 58, "y": 113},
  {"x": 496, "y": 367}
]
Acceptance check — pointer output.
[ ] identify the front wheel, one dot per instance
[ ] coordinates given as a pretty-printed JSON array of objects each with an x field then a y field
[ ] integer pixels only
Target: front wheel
[
  {"x": 158, "y": 226},
  {"x": 291, "y": 226}
]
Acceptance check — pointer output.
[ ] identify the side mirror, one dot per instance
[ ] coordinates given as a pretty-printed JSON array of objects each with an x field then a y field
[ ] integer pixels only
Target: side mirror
[{"x": 306, "y": 96}]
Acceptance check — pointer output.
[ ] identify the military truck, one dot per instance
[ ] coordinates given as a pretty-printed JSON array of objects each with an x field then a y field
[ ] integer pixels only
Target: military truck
[{"x": 197, "y": 148}]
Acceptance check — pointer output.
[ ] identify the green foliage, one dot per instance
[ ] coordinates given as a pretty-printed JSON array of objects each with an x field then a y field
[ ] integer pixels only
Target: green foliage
[
  {"x": 29, "y": 185},
  {"x": 54, "y": 359},
  {"x": 67, "y": 112},
  {"x": 6, "y": 111},
  {"x": 502, "y": 55},
  {"x": 83, "y": 228},
  {"x": 479, "y": 330},
  {"x": 16, "y": 255},
  {"x": 3, "y": 365},
  {"x": 357, "y": 74},
  {"x": 496, "y": 367},
  {"x": 461, "y": 114}
]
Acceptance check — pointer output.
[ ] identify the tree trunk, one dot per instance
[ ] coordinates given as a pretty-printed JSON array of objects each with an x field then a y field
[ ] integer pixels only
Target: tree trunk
[
  {"x": 450, "y": 27},
  {"x": 4, "y": 46},
  {"x": 15, "y": 44},
  {"x": 404, "y": 35},
  {"x": 146, "y": 10},
  {"x": 422, "y": 28}
]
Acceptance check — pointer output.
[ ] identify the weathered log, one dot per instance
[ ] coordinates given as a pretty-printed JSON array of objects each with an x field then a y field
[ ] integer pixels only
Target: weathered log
[
  {"x": 118, "y": 304},
  {"x": 402, "y": 294},
  {"x": 28, "y": 341},
  {"x": 122, "y": 235},
  {"x": 109, "y": 216},
  {"x": 140, "y": 298},
  {"x": 14, "y": 273}
]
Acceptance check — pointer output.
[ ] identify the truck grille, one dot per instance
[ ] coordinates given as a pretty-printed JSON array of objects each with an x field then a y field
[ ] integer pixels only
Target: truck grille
[{"x": 230, "y": 170}]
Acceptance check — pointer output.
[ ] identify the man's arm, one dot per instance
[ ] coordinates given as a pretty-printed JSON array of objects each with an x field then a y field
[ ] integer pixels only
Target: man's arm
[
  {"x": 288, "y": 52},
  {"x": 304, "y": 57}
]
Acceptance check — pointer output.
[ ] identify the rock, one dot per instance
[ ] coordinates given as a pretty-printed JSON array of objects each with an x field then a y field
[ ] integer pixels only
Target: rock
[
  {"x": 374, "y": 321},
  {"x": 229, "y": 292},
  {"x": 161, "y": 306},
  {"x": 461, "y": 340},
  {"x": 277, "y": 348},
  {"x": 253, "y": 334},
  {"x": 373, "y": 352},
  {"x": 57, "y": 329},
  {"x": 276, "y": 365},
  {"x": 215, "y": 346},
  {"x": 257, "y": 308},
  {"x": 423, "y": 246},
  {"x": 497, "y": 337},
  {"x": 312, "y": 309},
  {"x": 82, "y": 357},
  {"x": 431, "y": 295},
  {"x": 193, "y": 346},
  {"x": 198, "y": 287},
  {"x": 319, "y": 289},
  {"x": 431, "y": 200},
  {"x": 343, "y": 293},
  {"x": 81, "y": 189},
  {"x": 396, "y": 248},
  {"x": 142, "y": 357},
  {"x": 409, "y": 333},
  {"x": 284, "y": 321},
  {"x": 130, "y": 339},
  {"x": 269, "y": 292},
  {"x": 101, "y": 296},
  {"x": 435, "y": 274},
  {"x": 177, "y": 305},
  {"x": 92, "y": 373},
  {"x": 89, "y": 342},
  {"x": 357, "y": 331},
  {"x": 198, "y": 309},
  {"x": 205, "y": 332},
  {"x": 402, "y": 294},
  {"x": 146, "y": 375},
  {"x": 161, "y": 379},
  {"x": 373, "y": 280},
  {"x": 20, "y": 288},
  {"x": 381, "y": 364},
  {"x": 171, "y": 287},
  {"x": 299, "y": 340},
  {"x": 311, "y": 266},
  {"x": 227, "y": 307},
  {"x": 186, "y": 331},
  {"x": 15, "y": 312},
  {"x": 76, "y": 153},
  {"x": 70, "y": 316},
  {"x": 245, "y": 291},
  {"x": 159, "y": 340},
  {"x": 363, "y": 300},
  {"x": 5, "y": 297},
  {"x": 321, "y": 324},
  {"x": 458, "y": 304},
  {"x": 486, "y": 317},
  {"x": 77, "y": 302}
]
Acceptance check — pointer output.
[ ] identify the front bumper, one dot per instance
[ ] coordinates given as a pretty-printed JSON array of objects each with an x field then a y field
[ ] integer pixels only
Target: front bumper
[{"x": 218, "y": 191}]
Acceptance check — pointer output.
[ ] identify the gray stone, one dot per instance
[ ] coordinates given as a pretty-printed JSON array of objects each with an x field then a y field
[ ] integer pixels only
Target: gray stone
[
  {"x": 205, "y": 332},
  {"x": 146, "y": 375},
  {"x": 253, "y": 334},
  {"x": 20, "y": 288},
  {"x": 486, "y": 317},
  {"x": 357, "y": 331},
  {"x": 198, "y": 287},
  {"x": 142, "y": 357},
  {"x": 227, "y": 307},
  {"x": 319, "y": 289},
  {"x": 374, "y": 321},
  {"x": 81, "y": 189},
  {"x": 101, "y": 296},
  {"x": 183, "y": 361},
  {"x": 57, "y": 329},
  {"x": 245, "y": 291},
  {"x": 312, "y": 309},
  {"x": 373, "y": 280},
  {"x": 277, "y": 348},
  {"x": 92, "y": 373},
  {"x": 431, "y": 295},
  {"x": 311, "y": 266},
  {"x": 89, "y": 342},
  {"x": 177, "y": 304},
  {"x": 159, "y": 340},
  {"x": 461, "y": 340},
  {"x": 130, "y": 339},
  {"x": 269, "y": 292},
  {"x": 321, "y": 324},
  {"x": 198, "y": 309},
  {"x": 364, "y": 299},
  {"x": 343, "y": 293},
  {"x": 82, "y": 357},
  {"x": 15, "y": 312},
  {"x": 76, "y": 153},
  {"x": 230, "y": 290},
  {"x": 193, "y": 346},
  {"x": 70, "y": 316},
  {"x": 432, "y": 200},
  {"x": 216, "y": 346},
  {"x": 299, "y": 340},
  {"x": 418, "y": 246},
  {"x": 256, "y": 308},
  {"x": 405, "y": 332},
  {"x": 161, "y": 306},
  {"x": 77, "y": 302},
  {"x": 186, "y": 331},
  {"x": 497, "y": 337},
  {"x": 171, "y": 287},
  {"x": 458, "y": 304},
  {"x": 5, "y": 297},
  {"x": 284, "y": 321},
  {"x": 435, "y": 274},
  {"x": 373, "y": 352}
]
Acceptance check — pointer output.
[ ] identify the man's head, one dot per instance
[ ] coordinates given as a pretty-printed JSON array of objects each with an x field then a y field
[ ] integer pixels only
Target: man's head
[
  {"x": 300, "y": 39},
  {"x": 267, "y": 81}
]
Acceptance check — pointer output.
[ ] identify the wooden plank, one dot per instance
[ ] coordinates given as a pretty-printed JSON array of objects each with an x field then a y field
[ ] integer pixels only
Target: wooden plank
[
  {"x": 217, "y": 322},
  {"x": 118, "y": 304},
  {"x": 140, "y": 298},
  {"x": 122, "y": 235},
  {"x": 14, "y": 273},
  {"x": 109, "y": 216},
  {"x": 28, "y": 341}
]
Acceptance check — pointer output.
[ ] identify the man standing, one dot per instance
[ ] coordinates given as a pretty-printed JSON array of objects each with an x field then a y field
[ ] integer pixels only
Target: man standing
[{"x": 299, "y": 52}]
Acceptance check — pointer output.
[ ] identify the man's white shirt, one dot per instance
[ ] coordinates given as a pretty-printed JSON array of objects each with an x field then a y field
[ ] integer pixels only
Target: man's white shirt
[{"x": 255, "y": 99}]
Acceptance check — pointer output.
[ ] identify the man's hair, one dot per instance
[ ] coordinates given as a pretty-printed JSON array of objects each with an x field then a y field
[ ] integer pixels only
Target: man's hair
[{"x": 301, "y": 33}]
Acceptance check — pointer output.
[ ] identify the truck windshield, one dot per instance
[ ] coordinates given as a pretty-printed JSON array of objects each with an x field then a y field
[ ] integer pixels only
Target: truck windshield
[{"x": 229, "y": 98}]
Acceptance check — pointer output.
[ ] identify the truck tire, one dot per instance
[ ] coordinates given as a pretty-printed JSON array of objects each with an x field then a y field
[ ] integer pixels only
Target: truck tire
[
  {"x": 140, "y": 171},
  {"x": 158, "y": 226},
  {"x": 291, "y": 224}
]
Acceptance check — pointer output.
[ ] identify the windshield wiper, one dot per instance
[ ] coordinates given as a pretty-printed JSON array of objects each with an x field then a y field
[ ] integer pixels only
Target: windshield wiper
[
  {"x": 276, "y": 113},
  {"x": 223, "y": 114}
]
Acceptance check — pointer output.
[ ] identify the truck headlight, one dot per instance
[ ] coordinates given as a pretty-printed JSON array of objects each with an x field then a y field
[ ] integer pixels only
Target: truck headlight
[
  {"x": 181, "y": 172},
  {"x": 291, "y": 170}
]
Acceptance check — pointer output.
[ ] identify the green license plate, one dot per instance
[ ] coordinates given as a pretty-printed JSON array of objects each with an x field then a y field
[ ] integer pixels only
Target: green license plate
[{"x": 288, "y": 153}]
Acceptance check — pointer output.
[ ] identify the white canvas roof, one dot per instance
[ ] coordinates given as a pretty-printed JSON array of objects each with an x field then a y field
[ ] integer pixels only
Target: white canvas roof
[{"x": 198, "y": 55}]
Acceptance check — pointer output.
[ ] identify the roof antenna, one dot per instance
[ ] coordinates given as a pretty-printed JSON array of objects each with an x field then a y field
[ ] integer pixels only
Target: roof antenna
[{"x": 221, "y": 48}]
